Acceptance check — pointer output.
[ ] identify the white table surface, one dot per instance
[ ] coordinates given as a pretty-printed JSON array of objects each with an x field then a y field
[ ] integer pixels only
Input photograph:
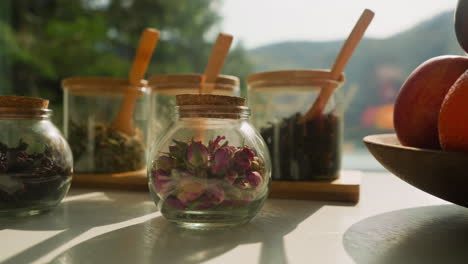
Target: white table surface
[{"x": 392, "y": 223}]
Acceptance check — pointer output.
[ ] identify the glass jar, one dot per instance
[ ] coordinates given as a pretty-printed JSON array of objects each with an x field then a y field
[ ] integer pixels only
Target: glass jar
[
  {"x": 211, "y": 169},
  {"x": 35, "y": 160},
  {"x": 165, "y": 87},
  {"x": 91, "y": 106},
  {"x": 299, "y": 151}
]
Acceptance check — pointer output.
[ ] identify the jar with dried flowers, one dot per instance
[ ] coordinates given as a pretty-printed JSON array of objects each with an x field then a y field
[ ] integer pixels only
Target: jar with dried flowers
[{"x": 212, "y": 168}]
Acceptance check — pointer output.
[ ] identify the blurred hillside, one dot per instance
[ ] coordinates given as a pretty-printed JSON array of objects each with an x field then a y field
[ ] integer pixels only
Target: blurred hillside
[{"x": 378, "y": 68}]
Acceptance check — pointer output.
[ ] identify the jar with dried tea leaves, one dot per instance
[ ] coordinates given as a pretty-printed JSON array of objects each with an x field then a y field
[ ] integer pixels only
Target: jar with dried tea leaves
[
  {"x": 35, "y": 160},
  {"x": 90, "y": 108},
  {"x": 309, "y": 150}
]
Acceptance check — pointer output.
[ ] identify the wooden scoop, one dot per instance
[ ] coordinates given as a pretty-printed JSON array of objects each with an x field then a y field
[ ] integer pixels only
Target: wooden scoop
[
  {"x": 340, "y": 62},
  {"x": 215, "y": 62},
  {"x": 124, "y": 120}
]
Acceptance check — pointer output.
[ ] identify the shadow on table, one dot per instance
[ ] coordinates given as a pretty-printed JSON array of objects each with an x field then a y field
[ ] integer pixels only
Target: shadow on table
[
  {"x": 433, "y": 234},
  {"x": 158, "y": 241},
  {"x": 75, "y": 216}
]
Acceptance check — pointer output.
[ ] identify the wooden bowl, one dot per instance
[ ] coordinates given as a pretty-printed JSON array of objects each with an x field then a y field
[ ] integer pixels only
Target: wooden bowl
[{"x": 440, "y": 173}]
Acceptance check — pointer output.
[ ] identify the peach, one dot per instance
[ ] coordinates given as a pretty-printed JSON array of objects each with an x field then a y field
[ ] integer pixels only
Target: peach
[
  {"x": 418, "y": 103},
  {"x": 453, "y": 117}
]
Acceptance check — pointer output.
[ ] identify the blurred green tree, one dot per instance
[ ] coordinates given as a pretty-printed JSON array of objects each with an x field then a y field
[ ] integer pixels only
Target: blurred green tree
[{"x": 44, "y": 41}]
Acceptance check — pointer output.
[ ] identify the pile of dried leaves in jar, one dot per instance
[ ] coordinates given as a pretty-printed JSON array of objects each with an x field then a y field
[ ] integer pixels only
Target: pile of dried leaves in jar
[
  {"x": 198, "y": 177},
  {"x": 28, "y": 179},
  {"x": 103, "y": 149},
  {"x": 308, "y": 151}
]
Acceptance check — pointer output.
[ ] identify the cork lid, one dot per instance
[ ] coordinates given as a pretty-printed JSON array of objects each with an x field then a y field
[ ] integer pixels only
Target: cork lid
[
  {"x": 211, "y": 106},
  {"x": 209, "y": 99},
  {"x": 190, "y": 83},
  {"x": 311, "y": 79},
  {"x": 23, "y": 107},
  {"x": 23, "y": 102}
]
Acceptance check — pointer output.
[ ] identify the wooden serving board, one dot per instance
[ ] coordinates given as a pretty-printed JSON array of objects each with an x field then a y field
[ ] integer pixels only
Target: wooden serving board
[{"x": 344, "y": 189}]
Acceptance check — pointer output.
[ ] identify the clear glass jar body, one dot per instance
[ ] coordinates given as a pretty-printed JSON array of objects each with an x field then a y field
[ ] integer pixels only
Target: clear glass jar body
[
  {"x": 164, "y": 88},
  {"x": 35, "y": 162},
  {"x": 210, "y": 171},
  {"x": 299, "y": 151},
  {"x": 91, "y": 106}
]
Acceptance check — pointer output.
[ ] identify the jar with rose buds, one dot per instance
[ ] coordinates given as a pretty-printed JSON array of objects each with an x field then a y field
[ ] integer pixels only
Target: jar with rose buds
[{"x": 211, "y": 169}]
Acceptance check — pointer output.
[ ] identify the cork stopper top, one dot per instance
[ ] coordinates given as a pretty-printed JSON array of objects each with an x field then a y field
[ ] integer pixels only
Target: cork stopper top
[
  {"x": 211, "y": 106},
  {"x": 23, "y": 102},
  {"x": 209, "y": 99}
]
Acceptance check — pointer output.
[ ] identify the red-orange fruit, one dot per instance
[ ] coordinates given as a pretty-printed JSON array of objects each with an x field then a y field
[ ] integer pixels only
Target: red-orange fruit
[
  {"x": 418, "y": 103},
  {"x": 453, "y": 117}
]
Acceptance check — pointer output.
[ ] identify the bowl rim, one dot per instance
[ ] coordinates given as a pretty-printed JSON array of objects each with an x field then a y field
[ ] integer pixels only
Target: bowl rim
[{"x": 370, "y": 139}]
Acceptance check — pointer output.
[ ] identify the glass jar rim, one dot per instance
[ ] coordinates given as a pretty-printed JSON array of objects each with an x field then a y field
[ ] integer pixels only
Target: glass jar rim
[
  {"x": 13, "y": 113},
  {"x": 282, "y": 79},
  {"x": 174, "y": 82},
  {"x": 102, "y": 85}
]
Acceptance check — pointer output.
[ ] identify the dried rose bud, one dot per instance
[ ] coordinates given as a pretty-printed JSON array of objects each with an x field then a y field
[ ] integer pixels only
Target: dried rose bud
[
  {"x": 243, "y": 158},
  {"x": 222, "y": 160},
  {"x": 214, "y": 195},
  {"x": 214, "y": 144},
  {"x": 175, "y": 203},
  {"x": 162, "y": 182},
  {"x": 255, "y": 165},
  {"x": 178, "y": 150},
  {"x": 173, "y": 149},
  {"x": 166, "y": 163},
  {"x": 231, "y": 176},
  {"x": 197, "y": 154},
  {"x": 254, "y": 178},
  {"x": 189, "y": 191}
]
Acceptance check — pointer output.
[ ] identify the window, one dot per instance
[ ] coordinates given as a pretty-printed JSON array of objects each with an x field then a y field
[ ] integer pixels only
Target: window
[{"x": 44, "y": 41}]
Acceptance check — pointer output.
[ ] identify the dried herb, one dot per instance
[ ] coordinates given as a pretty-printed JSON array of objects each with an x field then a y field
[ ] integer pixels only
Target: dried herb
[
  {"x": 102, "y": 149},
  {"x": 194, "y": 176},
  {"x": 308, "y": 151},
  {"x": 29, "y": 179}
]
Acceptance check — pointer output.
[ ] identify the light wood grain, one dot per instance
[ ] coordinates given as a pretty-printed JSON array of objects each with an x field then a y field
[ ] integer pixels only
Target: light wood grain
[
  {"x": 124, "y": 120},
  {"x": 215, "y": 62},
  {"x": 344, "y": 189},
  {"x": 340, "y": 63}
]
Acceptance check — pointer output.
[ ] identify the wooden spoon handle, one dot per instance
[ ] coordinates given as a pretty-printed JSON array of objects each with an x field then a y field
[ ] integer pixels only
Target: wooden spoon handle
[
  {"x": 147, "y": 44},
  {"x": 215, "y": 62},
  {"x": 351, "y": 43},
  {"x": 340, "y": 62},
  {"x": 124, "y": 120}
]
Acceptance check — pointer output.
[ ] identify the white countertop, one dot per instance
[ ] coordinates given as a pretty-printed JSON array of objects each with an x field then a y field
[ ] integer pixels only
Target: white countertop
[{"x": 393, "y": 223}]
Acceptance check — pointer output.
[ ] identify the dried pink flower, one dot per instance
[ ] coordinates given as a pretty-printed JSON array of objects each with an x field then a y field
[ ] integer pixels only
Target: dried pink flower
[
  {"x": 213, "y": 196},
  {"x": 189, "y": 190},
  {"x": 243, "y": 158},
  {"x": 166, "y": 163},
  {"x": 197, "y": 154},
  {"x": 254, "y": 178},
  {"x": 162, "y": 182},
  {"x": 221, "y": 160},
  {"x": 214, "y": 144},
  {"x": 176, "y": 203},
  {"x": 231, "y": 176}
]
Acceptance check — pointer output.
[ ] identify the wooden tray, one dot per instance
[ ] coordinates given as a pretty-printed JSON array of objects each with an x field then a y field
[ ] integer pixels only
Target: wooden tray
[{"x": 344, "y": 189}]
